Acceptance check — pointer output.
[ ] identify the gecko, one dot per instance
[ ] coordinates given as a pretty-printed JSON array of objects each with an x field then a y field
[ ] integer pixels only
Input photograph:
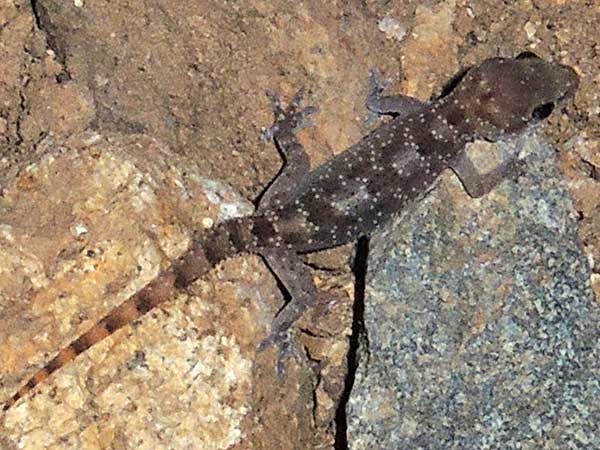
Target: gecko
[{"x": 357, "y": 191}]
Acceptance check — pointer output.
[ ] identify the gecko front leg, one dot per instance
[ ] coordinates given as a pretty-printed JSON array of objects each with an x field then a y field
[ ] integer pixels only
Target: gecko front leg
[
  {"x": 285, "y": 264},
  {"x": 296, "y": 160},
  {"x": 478, "y": 184},
  {"x": 397, "y": 105}
]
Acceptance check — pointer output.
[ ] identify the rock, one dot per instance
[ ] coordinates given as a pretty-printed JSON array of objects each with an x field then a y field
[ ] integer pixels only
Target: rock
[
  {"x": 483, "y": 331},
  {"x": 71, "y": 251}
]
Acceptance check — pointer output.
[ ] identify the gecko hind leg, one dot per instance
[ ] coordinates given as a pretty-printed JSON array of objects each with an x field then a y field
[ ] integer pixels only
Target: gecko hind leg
[
  {"x": 297, "y": 280},
  {"x": 397, "y": 105},
  {"x": 296, "y": 160}
]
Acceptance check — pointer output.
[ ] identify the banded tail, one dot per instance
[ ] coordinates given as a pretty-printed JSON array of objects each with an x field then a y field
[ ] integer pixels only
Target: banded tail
[{"x": 226, "y": 240}]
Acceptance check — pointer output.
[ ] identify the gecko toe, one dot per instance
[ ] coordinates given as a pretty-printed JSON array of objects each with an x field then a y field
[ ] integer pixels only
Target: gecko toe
[
  {"x": 297, "y": 98},
  {"x": 376, "y": 84},
  {"x": 275, "y": 103},
  {"x": 304, "y": 119}
]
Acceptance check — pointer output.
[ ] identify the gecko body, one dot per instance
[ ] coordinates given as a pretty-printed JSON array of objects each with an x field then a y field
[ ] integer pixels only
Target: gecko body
[{"x": 357, "y": 191}]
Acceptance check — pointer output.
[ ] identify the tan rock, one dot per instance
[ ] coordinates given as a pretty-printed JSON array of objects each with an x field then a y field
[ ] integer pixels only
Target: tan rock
[{"x": 69, "y": 252}]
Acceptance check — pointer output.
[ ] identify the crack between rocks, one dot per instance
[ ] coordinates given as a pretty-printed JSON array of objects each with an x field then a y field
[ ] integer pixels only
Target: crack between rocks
[
  {"x": 593, "y": 171},
  {"x": 22, "y": 111},
  {"x": 36, "y": 14},
  {"x": 358, "y": 340},
  {"x": 43, "y": 23}
]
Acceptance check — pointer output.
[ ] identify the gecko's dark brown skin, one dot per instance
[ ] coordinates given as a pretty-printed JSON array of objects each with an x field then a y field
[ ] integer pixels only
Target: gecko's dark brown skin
[{"x": 358, "y": 190}]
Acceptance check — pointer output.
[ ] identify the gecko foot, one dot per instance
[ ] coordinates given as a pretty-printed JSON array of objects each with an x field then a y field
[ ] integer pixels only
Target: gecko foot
[
  {"x": 286, "y": 346},
  {"x": 374, "y": 97},
  {"x": 376, "y": 84},
  {"x": 290, "y": 119}
]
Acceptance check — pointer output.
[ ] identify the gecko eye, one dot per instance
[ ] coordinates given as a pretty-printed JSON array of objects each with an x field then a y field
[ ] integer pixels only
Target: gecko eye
[
  {"x": 526, "y": 55},
  {"x": 543, "y": 111}
]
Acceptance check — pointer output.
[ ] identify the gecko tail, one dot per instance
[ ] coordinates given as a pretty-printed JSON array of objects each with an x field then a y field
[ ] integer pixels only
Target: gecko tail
[
  {"x": 225, "y": 240},
  {"x": 235, "y": 236},
  {"x": 156, "y": 292}
]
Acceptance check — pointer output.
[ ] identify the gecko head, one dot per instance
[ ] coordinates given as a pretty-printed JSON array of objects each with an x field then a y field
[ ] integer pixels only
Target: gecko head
[{"x": 506, "y": 95}]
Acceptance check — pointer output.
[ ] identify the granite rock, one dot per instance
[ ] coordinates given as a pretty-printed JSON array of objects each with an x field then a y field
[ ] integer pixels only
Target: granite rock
[{"x": 483, "y": 331}]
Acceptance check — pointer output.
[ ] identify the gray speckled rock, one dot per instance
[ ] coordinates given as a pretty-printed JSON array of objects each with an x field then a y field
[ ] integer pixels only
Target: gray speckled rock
[{"x": 483, "y": 331}]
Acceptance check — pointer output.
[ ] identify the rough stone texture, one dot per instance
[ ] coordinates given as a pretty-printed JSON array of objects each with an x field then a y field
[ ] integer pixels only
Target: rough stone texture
[
  {"x": 581, "y": 162},
  {"x": 188, "y": 77},
  {"x": 483, "y": 331},
  {"x": 180, "y": 375},
  {"x": 432, "y": 38},
  {"x": 185, "y": 375}
]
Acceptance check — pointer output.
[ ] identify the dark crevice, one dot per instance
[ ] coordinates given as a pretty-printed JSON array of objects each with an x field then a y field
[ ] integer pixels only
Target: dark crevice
[
  {"x": 319, "y": 267},
  {"x": 36, "y": 13},
  {"x": 53, "y": 38},
  {"x": 592, "y": 171},
  {"x": 358, "y": 340},
  {"x": 312, "y": 334},
  {"x": 35, "y": 8},
  {"x": 318, "y": 381},
  {"x": 22, "y": 111}
]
